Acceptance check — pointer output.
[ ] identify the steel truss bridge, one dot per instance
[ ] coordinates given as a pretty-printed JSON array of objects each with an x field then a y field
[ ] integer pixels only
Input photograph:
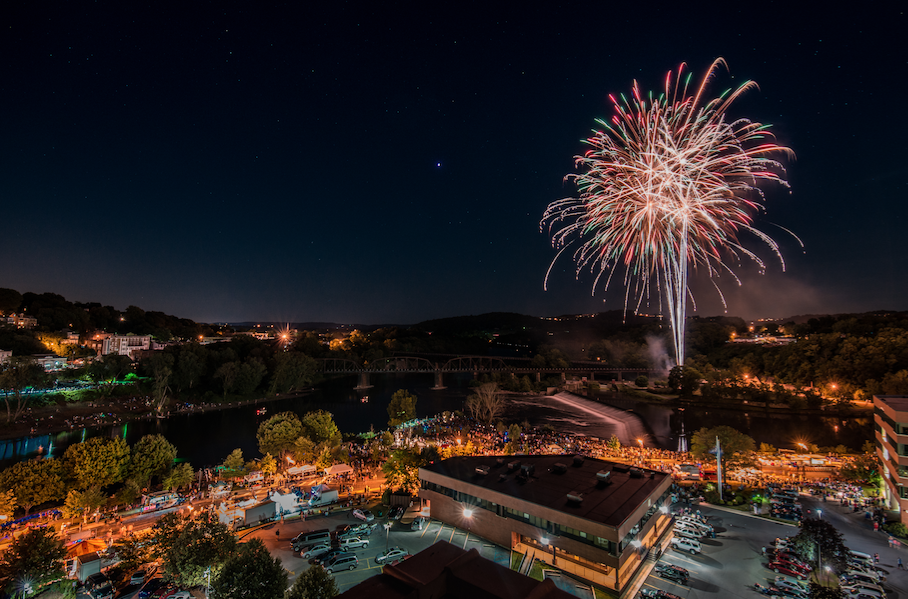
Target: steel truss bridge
[{"x": 446, "y": 364}]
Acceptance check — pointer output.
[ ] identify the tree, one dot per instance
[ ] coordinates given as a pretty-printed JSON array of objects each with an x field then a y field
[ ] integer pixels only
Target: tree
[
  {"x": 152, "y": 456},
  {"x": 249, "y": 376},
  {"x": 278, "y": 434},
  {"x": 513, "y": 439},
  {"x": 251, "y": 572},
  {"x": 734, "y": 444},
  {"x": 10, "y": 300},
  {"x": 767, "y": 448},
  {"x": 16, "y": 375},
  {"x": 34, "y": 482},
  {"x": 487, "y": 403},
  {"x": 234, "y": 465},
  {"x": 182, "y": 475},
  {"x": 268, "y": 465},
  {"x": 293, "y": 370},
  {"x": 131, "y": 552},
  {"x": 818, "y": 591},
  {"x": 7, "y": 504},
  {"x": 189, "y": 546},
  {"x": 105, "y": 373},
  {"x": 314, "y": 583},
  {"x": 864, "y": 468},
  {"x": 305, "y": 451},
  {"x": 320, "y": 428},
  {"x": 613, "y": 443},
  {"x": 78, "y": 503},
  {"x": 190, "y": 365},
  {"x": 641, "y": 381},
  {"x": 36, "y": 556},
  {"x": 227, "y": 373},
  {"x": 160, "y": 366},
  {"x": 97, "y": 462},
  {"x": 402, "y": 468},
  {"x": 402, "y": 408},
  {"x": 819, "y": 540}
]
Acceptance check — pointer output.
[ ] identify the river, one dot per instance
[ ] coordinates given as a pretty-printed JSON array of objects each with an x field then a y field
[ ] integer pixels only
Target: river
[{"x": 205, "y": 438}]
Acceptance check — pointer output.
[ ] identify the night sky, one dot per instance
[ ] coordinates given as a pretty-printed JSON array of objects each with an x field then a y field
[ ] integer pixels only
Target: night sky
[{"x": 363, "y": 163}]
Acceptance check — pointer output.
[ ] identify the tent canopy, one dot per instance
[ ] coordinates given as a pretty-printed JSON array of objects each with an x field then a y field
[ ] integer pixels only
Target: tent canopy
[{"x": 338, "y": 469}]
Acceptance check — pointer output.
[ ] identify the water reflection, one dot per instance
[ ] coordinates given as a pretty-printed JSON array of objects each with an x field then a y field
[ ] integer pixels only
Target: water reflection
[{"x": 207, "y": 438}]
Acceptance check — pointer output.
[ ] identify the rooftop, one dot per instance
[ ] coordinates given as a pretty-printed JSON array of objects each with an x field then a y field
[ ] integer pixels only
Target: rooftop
[
  {"x": 558, "y": 481},
  {"x": 899, "y": 403},
  {"x": 445, "y": 571}
]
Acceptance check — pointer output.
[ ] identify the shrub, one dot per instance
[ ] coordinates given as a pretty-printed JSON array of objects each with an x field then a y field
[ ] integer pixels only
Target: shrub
[
  {"x": 897, "y": 528},
  {"x": 641, "y": 381}
]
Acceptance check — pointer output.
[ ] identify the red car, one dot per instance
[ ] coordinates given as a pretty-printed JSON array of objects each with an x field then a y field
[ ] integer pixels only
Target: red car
[
  {"x": 793, "y": 563},
  {"x": 787, "y": 568}
]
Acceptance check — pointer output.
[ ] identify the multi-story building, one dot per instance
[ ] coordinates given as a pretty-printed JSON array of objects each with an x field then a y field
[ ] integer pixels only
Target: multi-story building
[
  {"x": 890, "y": 423},
  {"x": 125, "y": 345},
  {"x": 20, "y": 321},
  {"x": 597, "y": 520}
]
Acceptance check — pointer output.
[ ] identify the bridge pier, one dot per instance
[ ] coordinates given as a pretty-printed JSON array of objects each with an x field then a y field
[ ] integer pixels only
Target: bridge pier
[
  {"x": 363, "y": 381},
  {"x": 439, "y": 381},
  {"x": 538, "y": 377}
]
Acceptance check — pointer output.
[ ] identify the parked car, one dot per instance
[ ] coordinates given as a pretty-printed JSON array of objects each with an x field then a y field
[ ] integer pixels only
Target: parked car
[
  {"x": 780, "y": 582},
  {"x": 391, "y": 555},
  {"x": 342, "y": 562},
  {"x": 673, "y": 573},
  {"x": 327, "y": 557},
  {"x": 853, "y": 576},
  {"x": 151, "y": 587},
  {"x": 691, "y": 545},
  {"x": 785, "y": 568},
  {"x": 856, "y": 590},
  {"x": 363, "y": 528},
  {"x": 396, "y": 512},
  {"x": 418, "y": 523},
  {"x": 315, "y": 550},
  {"x": 364, "y": 515},
  {"x": 658, "y": 594},
  {"x": 98, "y": 586},
  {"x": 353, "y": 543}
]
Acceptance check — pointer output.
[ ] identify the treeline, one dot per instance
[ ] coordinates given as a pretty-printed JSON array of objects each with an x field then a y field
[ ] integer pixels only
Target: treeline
[
  {"x": 55, "y": 313},
  {"x": 853, "y": 356}
]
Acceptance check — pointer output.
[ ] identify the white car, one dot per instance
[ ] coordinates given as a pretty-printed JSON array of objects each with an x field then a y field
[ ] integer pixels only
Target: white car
[
  {"x": 353, "y": 543},
  {"x": 391, "y": 555},
  {"x": 364, "y": 515},
  {"x": 316, "y": 550},
  {"x": 682, "y": 544},
  {"x": 861, "y": 588}
]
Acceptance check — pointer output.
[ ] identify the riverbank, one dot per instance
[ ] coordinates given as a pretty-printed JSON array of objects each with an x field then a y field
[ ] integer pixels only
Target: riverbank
[
  {"x": 63, "y": 416},
  {"x": 856, "y": 410}
]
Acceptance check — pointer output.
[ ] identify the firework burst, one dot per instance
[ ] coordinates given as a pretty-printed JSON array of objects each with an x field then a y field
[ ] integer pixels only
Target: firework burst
[{"x": 668, "y": 184}]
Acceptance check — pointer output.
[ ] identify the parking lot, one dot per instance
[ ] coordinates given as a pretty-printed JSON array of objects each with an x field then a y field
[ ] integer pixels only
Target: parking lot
[
  {"x": 730, "y": 564},
  {"x": 277, "y": 539}
]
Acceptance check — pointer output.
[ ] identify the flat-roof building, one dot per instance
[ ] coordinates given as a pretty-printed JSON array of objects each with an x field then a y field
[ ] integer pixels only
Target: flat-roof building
[
  {"x": 595, "y": 519},
  {"x": 890, "y": 424}
]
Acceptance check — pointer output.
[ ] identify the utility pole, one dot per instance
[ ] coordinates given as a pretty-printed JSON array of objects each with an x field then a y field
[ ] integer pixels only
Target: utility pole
[{"x": 719, "y": 467}]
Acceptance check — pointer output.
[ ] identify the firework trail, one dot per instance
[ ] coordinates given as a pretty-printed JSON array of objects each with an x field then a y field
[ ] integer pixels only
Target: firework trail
[{"x": 669, "y": 183}]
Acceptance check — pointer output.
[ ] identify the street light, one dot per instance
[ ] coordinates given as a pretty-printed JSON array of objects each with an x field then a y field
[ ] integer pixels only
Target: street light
[
  {"x": 468, "y": 512},
  {"x": 387, "y": 527},
  {"x": 640, "y": 441}
]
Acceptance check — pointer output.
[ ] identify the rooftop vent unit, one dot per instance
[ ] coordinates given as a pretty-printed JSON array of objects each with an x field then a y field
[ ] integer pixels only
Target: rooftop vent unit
[
  {"x": 578, "y": 461},
  {"x": 559, "y": 468},
  {"x": 502, "y": 477},
  {"x": 620, "y": 468},
  {"x": 636, "y": 473},
  {"x": 528, "y": 469},
  {"x": 652, "y": 474},
  {"x": 499, "y": 462},
  {"x": 514, "y": 465},
  {"x": 575, "y": 498},
  {"x": 482, "y": 470},
  {"x": 604, "y": 476}
]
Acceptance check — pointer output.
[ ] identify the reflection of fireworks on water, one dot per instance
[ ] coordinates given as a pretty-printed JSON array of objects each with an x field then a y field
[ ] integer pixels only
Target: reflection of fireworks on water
[{"x": 666, "y": 184}]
